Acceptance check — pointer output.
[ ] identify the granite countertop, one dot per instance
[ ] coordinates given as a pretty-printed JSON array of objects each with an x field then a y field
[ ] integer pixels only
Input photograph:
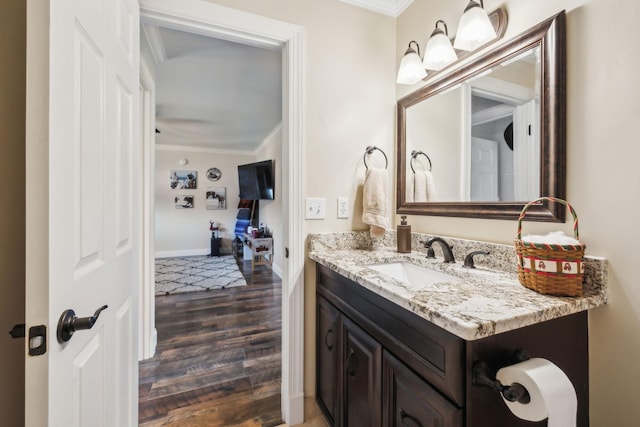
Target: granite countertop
[{"x": 479, "y": 303}]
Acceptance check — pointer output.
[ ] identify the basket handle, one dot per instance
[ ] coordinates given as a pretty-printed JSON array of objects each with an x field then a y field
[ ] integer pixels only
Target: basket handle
[{"x": 551, "y": 199}]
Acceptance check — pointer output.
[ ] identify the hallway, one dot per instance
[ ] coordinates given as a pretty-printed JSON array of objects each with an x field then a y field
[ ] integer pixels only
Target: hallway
[{"x": 218, "y": 359}]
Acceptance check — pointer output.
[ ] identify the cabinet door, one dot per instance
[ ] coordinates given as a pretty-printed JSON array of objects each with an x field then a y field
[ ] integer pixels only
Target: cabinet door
[
  {"x": 327, "y": 358},
  {"x": 362, "y": 357},
  {"x": 409, "y": 401}
]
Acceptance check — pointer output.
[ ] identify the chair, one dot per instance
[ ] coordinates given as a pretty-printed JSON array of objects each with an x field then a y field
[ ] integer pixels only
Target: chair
[{"x": 244, "y": 218}]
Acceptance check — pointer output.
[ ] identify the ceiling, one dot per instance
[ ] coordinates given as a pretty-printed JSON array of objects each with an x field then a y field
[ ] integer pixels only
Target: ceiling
[
  {"x": 212, "y": 93},
  {"x": 220, "y": 95}
]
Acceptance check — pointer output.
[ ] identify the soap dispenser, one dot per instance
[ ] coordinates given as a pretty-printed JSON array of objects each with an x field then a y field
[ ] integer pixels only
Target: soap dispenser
[{"x": 404, "y": 236}]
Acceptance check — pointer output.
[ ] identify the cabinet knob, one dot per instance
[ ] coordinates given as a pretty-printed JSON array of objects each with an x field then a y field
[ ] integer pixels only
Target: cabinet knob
[
  {"x": 404, "y": 417},
  {"x": 349, "y": 358},
  {"x": 328, "y": 343}
]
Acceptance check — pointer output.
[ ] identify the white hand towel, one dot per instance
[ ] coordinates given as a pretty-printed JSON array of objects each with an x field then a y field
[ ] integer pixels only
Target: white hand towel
[
  {"x": 420, "y": 187},
  {"x": 374, "y": 198},
  {"x": 432, "y": 195},
  {"x": 410, "y": 191},
  {"x": 424, "y": 188}
]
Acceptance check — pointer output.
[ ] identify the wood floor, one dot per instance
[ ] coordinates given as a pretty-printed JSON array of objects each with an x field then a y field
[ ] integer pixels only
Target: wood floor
[{"x": 218, "y": 359}]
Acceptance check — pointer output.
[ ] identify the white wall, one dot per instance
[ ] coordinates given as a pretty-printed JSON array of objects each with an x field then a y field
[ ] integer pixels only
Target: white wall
[
  {"x": 12, "y": 212},
  {"x": 183, "y": 232},
  {"x": 602, "y": 172}
]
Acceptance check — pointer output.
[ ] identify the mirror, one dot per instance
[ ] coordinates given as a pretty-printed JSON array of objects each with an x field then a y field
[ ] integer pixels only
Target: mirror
[{"x": 488, "y": 136}]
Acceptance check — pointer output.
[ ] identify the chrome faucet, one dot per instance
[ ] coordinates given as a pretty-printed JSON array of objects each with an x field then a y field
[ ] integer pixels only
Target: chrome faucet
[{"x": 446, "y": 249}]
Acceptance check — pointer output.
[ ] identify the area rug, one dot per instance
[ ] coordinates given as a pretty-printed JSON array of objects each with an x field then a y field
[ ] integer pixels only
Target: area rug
[{"x": 197, "y": 273}]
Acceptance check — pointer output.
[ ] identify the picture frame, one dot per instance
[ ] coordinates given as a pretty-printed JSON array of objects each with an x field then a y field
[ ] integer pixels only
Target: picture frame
[
  {"x": 183, "y": 201},
  {"x": 183, "y": 180},
  {"x": 213, "y": 174},
  {"x": 216, "y": 198}
]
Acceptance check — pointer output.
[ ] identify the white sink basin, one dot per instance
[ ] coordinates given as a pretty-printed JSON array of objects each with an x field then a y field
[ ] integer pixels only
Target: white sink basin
[{"x": 415, "y": 275}]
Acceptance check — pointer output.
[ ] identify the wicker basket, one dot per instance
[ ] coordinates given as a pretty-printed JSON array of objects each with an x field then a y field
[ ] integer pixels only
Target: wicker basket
[{"x": 550, "y": 269}]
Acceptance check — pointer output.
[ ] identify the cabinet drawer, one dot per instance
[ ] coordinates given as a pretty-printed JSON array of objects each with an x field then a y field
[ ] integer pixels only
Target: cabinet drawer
[
  {"x": 435, "y": 354},
  {"x": 409, "y": 401}
]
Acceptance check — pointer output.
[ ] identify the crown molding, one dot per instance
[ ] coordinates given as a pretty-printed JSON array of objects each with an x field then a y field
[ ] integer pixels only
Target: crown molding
[
  {"x": 386, "y": 7},
  {"x": 200, "y": 149},
  {"x": 152, "y": 33}
]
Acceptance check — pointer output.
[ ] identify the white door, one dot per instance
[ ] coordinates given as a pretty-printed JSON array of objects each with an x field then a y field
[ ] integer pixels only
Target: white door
[
  {"x": 91, "y": 243},
  {"x": 484, "y": 170},
  {"x": 526, "y": 151}
]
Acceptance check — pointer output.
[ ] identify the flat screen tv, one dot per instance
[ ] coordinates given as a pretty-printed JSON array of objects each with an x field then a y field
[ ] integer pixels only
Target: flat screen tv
[{"x": 257, "y": 180}]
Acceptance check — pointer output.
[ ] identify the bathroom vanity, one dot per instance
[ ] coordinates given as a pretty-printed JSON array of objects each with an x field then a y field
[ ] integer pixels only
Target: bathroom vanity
[
  {"x": 398, "y": 335},
  {"x": 392, "y": 354}
]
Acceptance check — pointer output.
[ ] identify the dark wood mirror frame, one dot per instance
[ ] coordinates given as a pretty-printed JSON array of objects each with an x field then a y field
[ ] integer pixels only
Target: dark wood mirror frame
[{"x": 550, "y": 35}]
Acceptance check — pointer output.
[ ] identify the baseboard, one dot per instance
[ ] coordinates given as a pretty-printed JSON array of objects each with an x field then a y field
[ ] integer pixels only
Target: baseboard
[
  {"x": 277, "y": 269},
  {"x": 296, "y": 410},
  {"x": 186, "y": 252},
  {"x": 154, "y": 341}
]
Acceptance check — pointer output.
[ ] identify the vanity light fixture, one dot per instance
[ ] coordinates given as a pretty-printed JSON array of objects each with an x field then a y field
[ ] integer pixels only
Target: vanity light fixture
[
  {"x": 439, "y": 53},
  {"x": 411, "y": 69},
  {"x": 474, "y": 28}
]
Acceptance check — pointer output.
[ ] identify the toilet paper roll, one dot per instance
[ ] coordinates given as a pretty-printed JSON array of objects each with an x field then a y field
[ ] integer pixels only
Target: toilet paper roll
[{"x": 552, "y": 394}]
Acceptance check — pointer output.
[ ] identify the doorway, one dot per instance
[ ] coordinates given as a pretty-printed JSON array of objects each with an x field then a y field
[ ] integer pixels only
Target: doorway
[{"x": 220, "y": 22}]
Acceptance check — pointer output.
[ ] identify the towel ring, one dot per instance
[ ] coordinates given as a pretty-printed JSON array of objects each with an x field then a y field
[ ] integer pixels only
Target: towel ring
[
  {"x": 370, "y": 149},
  {"x": 415, "y": 154}
]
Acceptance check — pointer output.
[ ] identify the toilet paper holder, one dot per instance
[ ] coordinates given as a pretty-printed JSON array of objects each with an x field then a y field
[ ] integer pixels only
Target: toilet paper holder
[{"x": 483, "y": 376}]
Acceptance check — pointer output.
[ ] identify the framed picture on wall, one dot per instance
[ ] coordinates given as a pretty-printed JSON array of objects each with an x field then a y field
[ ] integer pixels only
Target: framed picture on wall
[
  {"x": 213, "y": 174},
  {"x": 183, "y": 202},
  {"x": 184, "y": 180},
  {"x": 216, "y": 198}
]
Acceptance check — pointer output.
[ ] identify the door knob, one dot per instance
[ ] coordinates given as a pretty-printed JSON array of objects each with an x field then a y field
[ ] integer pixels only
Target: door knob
[{"x": 69, "y": 323}]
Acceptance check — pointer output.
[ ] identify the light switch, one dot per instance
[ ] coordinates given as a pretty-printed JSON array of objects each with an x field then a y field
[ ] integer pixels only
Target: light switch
[{"x": 315, "y": 208}]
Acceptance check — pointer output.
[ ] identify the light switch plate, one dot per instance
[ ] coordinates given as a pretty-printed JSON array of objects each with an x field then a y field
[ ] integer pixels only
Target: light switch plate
[
  {"x": 315, "y": 208},
  {"x": 343, "y": 207}
]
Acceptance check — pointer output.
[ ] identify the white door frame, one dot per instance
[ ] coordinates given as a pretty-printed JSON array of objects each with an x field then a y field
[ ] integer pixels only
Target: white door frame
[
  {"x": 201, "y": 17},
  {"x": 146, "y": 313}
]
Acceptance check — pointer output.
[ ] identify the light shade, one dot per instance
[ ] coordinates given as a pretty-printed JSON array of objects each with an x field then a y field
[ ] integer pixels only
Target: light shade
[
  {"x": 439, "y": 53},
  {"x": 474, "y": 29},
  {"x": 411, "y": 70}
]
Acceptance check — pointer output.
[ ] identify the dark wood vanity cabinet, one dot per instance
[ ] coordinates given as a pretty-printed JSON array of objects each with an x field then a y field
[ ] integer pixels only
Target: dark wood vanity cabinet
[
  {"x": 380, "y": 365},
  {"x": 362, "y": 376},
  {"x": 328, "y": 357},
  {"x": 367, "y": 354}
]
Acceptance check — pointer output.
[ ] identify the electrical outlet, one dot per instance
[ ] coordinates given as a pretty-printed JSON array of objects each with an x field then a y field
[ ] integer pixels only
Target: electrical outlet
[
  {"x": 343, "y": 207},
  {"x": 314, "y": 208}
]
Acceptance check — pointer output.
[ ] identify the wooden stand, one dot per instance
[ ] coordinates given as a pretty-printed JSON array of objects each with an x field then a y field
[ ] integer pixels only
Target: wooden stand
[{"x": 261, "y": 248}]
